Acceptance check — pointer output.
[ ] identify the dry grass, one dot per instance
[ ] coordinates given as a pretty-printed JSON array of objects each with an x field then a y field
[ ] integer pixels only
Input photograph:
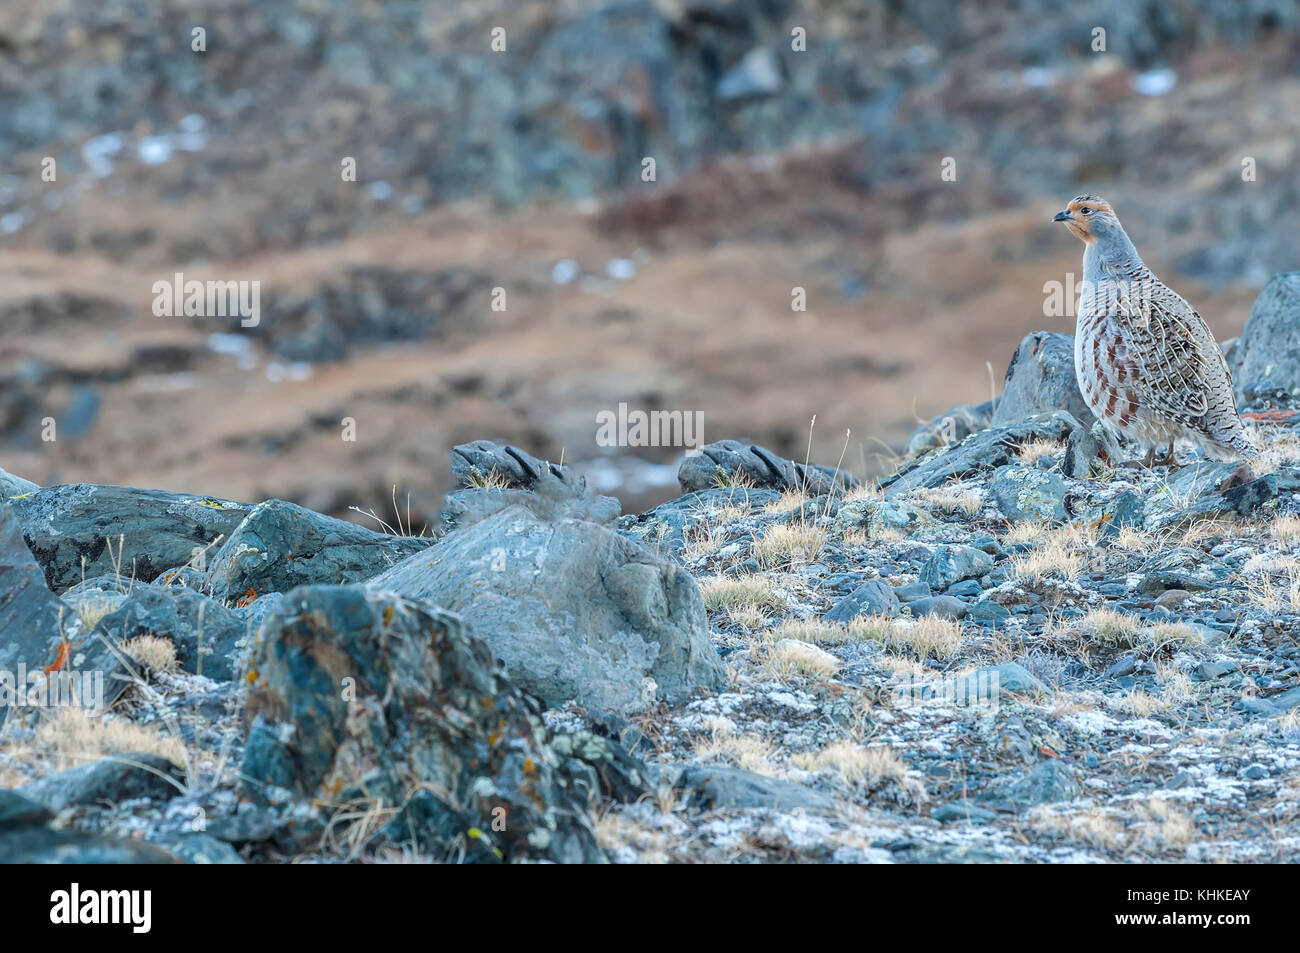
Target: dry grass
[
  {"x": 1034, "y": 450},
  {"x": 155, "y": 653},
  {"x": 1114, "y": 629},
  {"x": 793, "y": 657},
  {"x": 866, "y": 768},
  {"x": 1278, "y": 447},
  {"x": 789, "y": 544},
  {"x": 748, "y": 752},
  {"x": 731, "y": 593},
  {"x": 1091, "y": 826},
  {"x": 951, "y": 499},
  {"x": 1286, "y": 530},
  {"x": 77, "y": 737},
  {"x": 925, "y": 636},
  {"x": 1166, "y": 825},
  {"x": 1056, "y": 555}
]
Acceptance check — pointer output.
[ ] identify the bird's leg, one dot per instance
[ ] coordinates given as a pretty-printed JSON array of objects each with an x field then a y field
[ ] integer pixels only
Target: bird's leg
[
  {"x": 1150, "y": 461},
  {"x": 1169, "y": 460}
]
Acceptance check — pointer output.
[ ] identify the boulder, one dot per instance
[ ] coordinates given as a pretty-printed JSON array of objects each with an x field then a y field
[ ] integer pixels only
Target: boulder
[
  {"x": 577, "y": 611},
  {"x": 280, "y": 546},
  {"x": 873, "y": 597},
  {"x": 733, "y": 462},
  {"x": 12, "y": 486},
  {"x": 949, "y": 428},
  {"x": 108, "y": 781},
  {"x": 361, "y": 695},
  {"x": 64, "y": 525},
  {"x": 209, "y": 638},
  {"x": 1041, "y": 379},
  {"x": 1269, "y": 346},
  {"x": 1028, "y": 494}
]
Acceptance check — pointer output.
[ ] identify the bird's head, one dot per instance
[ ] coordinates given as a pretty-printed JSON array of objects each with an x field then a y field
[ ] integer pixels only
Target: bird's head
[{"x": 1090, "y": 219}]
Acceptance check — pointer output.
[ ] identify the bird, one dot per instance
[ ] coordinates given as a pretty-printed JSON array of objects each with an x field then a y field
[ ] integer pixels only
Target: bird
[{"x": 1147, "y": 364}]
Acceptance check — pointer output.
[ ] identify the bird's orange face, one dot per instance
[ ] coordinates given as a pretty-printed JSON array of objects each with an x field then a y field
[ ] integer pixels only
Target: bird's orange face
[{"x": 1079, "y": 215}]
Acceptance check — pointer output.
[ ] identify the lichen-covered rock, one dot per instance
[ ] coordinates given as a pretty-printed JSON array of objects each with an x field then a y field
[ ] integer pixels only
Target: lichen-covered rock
[
  {"x": 15, "y": 486},
  {"x": 280, "y": 546},
  {"x": 880, "y": 517},
  {"x": 577, "y": 611},
  {"x": 1029, "y": 494},
  {"x": 64, "y": 525},
  {"x": 665, "y": 526},
  {"x": 873, "y": 597},
  {"x": 952, "y": 564},
  {"x": 361, "y": 696},
  {"x": 949, "y": 428}
]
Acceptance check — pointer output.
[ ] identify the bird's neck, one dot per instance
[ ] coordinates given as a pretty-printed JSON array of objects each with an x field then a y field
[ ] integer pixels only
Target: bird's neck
[{"x": 1114, "y": 258}]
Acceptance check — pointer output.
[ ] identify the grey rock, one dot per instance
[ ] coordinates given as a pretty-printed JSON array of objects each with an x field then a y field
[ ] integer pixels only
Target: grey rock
[
  {"x": 873, "y": 597},
  {"x": 109, "y": 781},
  {"x": 482, "y": 459},
  {"x": 716, "y": 788},
  {"x": 206, "y": 634},
  {"x": 29, "y": 612},
  {"x": 758, "y": 74},
  {"x": 41, "y": 845},
  {"x": 1049, "y": 782},
  {"x": 1127, "y": 509},
  {"x": 65, "y": 524},
  {"x": 666, "y": 524},
  {"x": 1089, "y": 451},
  {"x": 618, "y": 774},
  {"x": 1041, "y": 379},
  {"x": 280, "y": 546},
  {"x": 912, "y": 591},
  {"x": 730, "y": 462},
  {"x": 434, "y": 727},
  {"x": 965, "y": 811},
  {"x": 198, "y": 848},
  {"x": 952, "y": 564},
  {"x": 979, "y": 453},
  {"x": 1011, "y": 677},
  {"x": 1240, "y": 500},
  {"x": 887, "y": 516},
  {"x": 577, "y": 611},
  {"x": 949, "y": 428},
  {"x": 1278, "y": 704},
  {"x": 1195, "y": 482},
  {"x": 1269, "y": 347},
  {"x": 942, "y": 607},
  {"x": 1028, "y": 494},
  {"x": 19, "y": 811}
]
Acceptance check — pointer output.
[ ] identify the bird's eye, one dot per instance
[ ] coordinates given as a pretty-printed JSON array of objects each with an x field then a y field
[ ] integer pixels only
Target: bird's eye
[{"x": 1086, "y": 211}]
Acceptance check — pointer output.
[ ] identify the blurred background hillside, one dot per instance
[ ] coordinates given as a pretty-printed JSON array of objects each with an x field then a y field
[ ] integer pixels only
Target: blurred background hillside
[{"x": 522, "y": 170}]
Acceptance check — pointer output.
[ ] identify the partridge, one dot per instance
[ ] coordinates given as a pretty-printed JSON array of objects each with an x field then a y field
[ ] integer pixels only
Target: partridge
[{"x": 1148, "y": 365}]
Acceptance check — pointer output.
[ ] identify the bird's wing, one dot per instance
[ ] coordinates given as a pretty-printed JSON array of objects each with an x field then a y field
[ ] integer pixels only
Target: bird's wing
[{"x": 1178, "y": 361}]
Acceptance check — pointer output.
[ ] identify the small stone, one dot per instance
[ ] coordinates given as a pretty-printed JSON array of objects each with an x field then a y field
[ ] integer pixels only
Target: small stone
[{"x": 873, "y": 597}]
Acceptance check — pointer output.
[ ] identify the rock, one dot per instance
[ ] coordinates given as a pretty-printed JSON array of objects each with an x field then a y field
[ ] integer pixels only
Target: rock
[
  {"x": 879, "y": 517},
  {"x": 1089, "y": 451},
  {"x": 941, "y": 607},
  {"x": 280, "y": 546},
  {"x": 949, "y": 428},
  {"x": 1028, "y": 494},
  {"x": 65, "y": 524},
  {"x": 1127, "y": 509},
  {"x": 1011, "y": 677},
  {"x": 1278, "y": 704},
  {"x": 210, "y": 639},
  {"x": 978, "y": 453},
  {"x": 1041, "y": 379},
  {"x": 472, "y": 463},
  {"x": 758, "y": 74},
  {"x": 729, "y": 462},
  {"x": 364, "y": 694},
  {"x": 666, "y": 524},
  {"x": 951, "y": 564},
  {"x": 965, "y": 811},
  {"x": 912, "y": 591},
  {"x": 1269, "y": 347},
  {"x": 12, "y": 486},
  {"x": 1049, "y": 782},
  {"x": 41, "y": 845},
  {"x": 577, "y": 611},
  {"x": 1196, "y": 481},
  {"x": 19, "y": 811},
  {"x": 29, "y": 613},
  {"x": 873, "y": 597},
  {"x": 198, "y": 848},
  {"x": 988, "y": 613},
  {"x": 805, "y": 655},
  {"x": 617, "y": 773},
  {"x": 109, "y": 781},
  {"x": 708, "y": 787},
  {"x": 1241, "y": 500}
]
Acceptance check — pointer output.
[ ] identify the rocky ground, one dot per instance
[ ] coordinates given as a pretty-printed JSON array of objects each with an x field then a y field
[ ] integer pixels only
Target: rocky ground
[{"x": 1016, "y": 647}]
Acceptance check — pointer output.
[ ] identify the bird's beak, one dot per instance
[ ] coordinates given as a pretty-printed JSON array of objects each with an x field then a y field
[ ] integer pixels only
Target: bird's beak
[{"x": 1063, "y": 216}]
